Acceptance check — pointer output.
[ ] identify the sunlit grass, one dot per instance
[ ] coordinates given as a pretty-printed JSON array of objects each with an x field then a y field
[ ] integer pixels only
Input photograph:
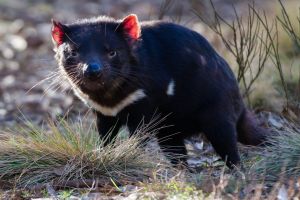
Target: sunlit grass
[{"x": 65, "y": 152}]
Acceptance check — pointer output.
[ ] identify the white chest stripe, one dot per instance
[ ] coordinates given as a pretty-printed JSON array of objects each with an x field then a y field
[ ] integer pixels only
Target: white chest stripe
[
  {"x": 170, "y": 89},
  {"x": 112, "y": 111}
]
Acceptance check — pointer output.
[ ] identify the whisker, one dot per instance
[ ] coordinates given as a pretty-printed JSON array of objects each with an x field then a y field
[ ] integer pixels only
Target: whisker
[{"x": 41, "y": 81}]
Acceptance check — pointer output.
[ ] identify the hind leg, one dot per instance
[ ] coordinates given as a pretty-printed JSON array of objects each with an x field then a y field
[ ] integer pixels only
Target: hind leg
[
  {"x": 249, "y": 132},
  {"x": 222, "y": 135}
]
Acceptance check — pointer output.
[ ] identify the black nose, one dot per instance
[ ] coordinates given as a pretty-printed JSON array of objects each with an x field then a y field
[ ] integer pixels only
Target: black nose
[{"x": 92, "y": 69}]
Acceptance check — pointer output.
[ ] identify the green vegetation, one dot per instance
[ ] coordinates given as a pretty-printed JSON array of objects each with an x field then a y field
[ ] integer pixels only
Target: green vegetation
[{"x": 281, "y": 158}]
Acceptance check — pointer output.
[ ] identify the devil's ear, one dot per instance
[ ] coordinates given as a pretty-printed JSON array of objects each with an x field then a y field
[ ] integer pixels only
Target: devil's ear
[
  {"x": 58, "y": 32},
  {"x": 131, "y": 27}
]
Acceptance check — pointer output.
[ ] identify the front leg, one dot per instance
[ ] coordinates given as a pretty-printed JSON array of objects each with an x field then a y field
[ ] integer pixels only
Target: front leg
[{"x": 108, "y": 127}]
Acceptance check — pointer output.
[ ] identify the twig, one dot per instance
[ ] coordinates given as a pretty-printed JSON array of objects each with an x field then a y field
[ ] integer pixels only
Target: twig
[{"x": 248, "y": 43}]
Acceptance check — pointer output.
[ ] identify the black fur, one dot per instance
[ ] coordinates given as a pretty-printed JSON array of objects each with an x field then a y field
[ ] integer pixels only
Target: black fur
[{"x": 206, "y": 94}]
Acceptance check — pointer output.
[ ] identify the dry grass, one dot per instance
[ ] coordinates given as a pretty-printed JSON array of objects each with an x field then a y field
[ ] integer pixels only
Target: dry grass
[
  {"x": 70, "y": 155},
  {"x": 67, "y": 153}
]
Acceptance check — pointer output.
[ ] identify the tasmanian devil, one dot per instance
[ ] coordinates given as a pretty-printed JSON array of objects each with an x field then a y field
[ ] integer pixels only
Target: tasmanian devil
[{"x": 128, "y": 70}]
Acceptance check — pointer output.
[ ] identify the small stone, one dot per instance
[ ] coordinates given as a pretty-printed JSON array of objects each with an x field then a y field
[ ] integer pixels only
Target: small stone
[
  {"x": 93, "y": 195},
  {"x": 133, "y": 196},
  {"x": 282, "y": 193},
  {"x": 16, "y": 26},
  {"x": 3, "y": 112},
  {"x": 199, "y": 145},
  {"x": 275, "y": 122},
  {"x": 128, "y": 188},
  {"x": 17, "y": 42},
  {"x": 68, "y": 101},
  {"x": 3, "y": 27},
  {"x": 12, "y": 65},
  {"x": 8, "y": 81},
  {"x": 7, "y": 52},
  {"x": 194, "y": 161},
  {"x": 1, "y": 65},
  {"x": 74, "y": 198}
]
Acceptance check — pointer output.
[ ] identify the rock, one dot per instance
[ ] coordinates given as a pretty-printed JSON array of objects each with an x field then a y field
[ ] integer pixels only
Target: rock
[
  {"x": 32, "y": 37},
  {"x": 94, "y": 195},
  {"x": 194, "y": 162},
  {"x": 133, "y": 196},
  {"x": 3, "y": 27},
  {"x": 7, "y": 52},
  {"x": 128, "y": 188},
  {"x": 16, "y": 26},
  {"x": 17, "y": 42},
  {"x": 2, "y": 112},
  {"x": 12, "y": 65},
  {"x": 1, "y": 65},
  {"x": 282, "y": 193},
  {"x": 275, "y": 121},
  {"x": 199, "y": 145},
  {"x": 8, "y": 81},
  {"x": 74, "y": 198}
]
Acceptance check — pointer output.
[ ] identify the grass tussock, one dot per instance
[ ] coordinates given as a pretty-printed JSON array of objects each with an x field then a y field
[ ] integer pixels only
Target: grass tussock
[
  {"x": 281, "y": 159},
  {"x": 64, "y": 154}
]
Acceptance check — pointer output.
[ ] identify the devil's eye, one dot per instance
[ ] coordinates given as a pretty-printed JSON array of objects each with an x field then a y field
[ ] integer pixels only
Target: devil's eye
[
  {"x": 112, "y": 54},
  {"x": 73, "y": 53}
]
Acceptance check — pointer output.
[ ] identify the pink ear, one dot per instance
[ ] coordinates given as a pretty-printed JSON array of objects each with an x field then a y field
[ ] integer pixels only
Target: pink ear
[
  {"x": 57, "y": 32},
  {"x": 131, "y": 26}
]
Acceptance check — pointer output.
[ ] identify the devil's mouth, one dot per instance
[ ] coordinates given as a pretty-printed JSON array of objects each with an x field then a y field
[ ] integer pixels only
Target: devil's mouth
[{"x": 92, "y": 85}]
